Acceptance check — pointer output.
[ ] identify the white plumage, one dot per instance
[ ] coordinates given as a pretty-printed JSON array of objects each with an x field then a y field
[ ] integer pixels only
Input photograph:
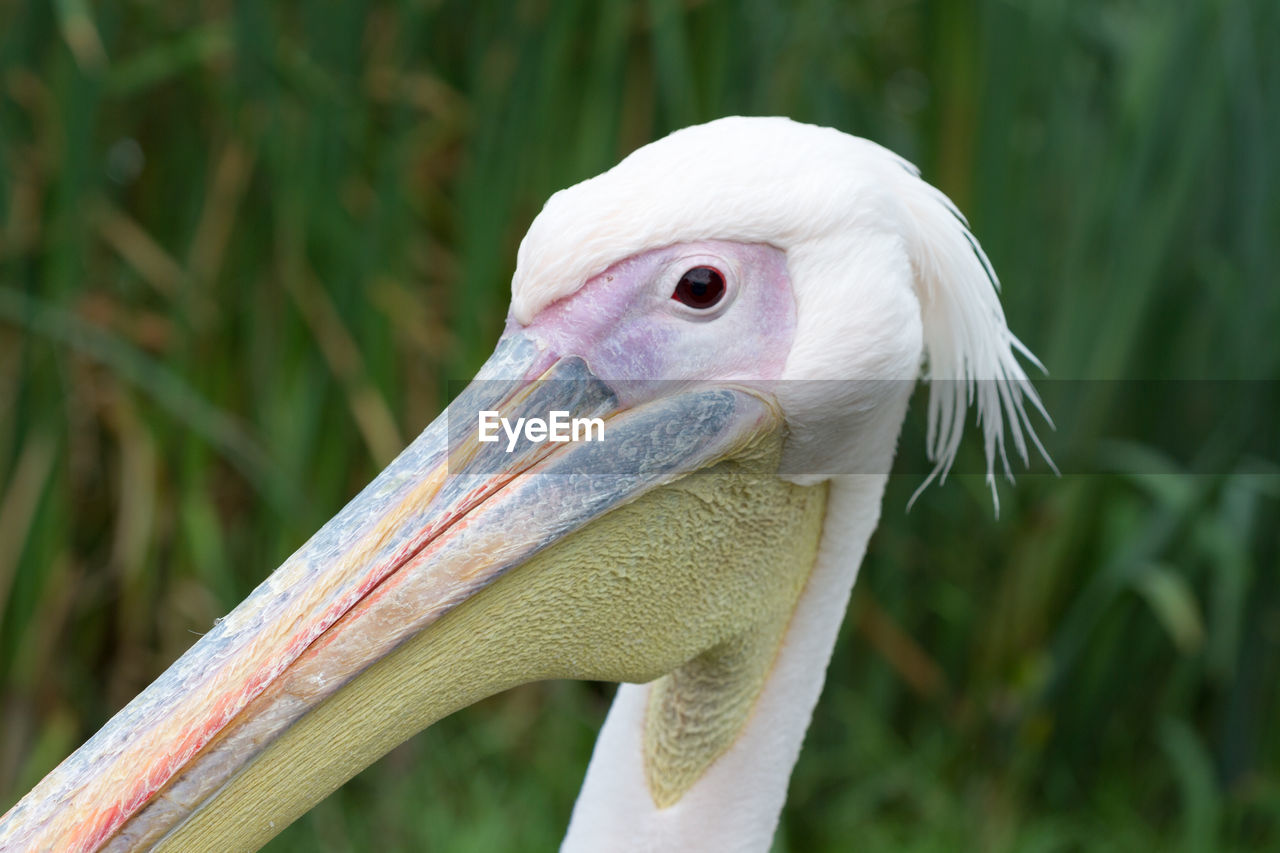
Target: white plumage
[{"x": 859, "y": 227}]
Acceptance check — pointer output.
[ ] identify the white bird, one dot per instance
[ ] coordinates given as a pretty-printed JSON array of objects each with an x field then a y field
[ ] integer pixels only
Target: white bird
[{"x": 745, "y": 307}]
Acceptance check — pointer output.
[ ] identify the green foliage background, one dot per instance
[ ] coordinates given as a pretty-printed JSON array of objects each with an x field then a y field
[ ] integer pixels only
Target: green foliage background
[{"x": 246, "y": 245}]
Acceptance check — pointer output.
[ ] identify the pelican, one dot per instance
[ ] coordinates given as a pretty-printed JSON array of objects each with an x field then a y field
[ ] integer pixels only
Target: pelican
[{"x": 743, "y": 308}]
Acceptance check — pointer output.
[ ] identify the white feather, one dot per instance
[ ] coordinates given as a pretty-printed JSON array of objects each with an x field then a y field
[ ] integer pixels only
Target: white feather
[{"x": 863, "y": 234}]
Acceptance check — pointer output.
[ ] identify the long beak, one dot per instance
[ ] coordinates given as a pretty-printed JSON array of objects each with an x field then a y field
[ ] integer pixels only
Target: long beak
[{"x": 361, "y": 638}]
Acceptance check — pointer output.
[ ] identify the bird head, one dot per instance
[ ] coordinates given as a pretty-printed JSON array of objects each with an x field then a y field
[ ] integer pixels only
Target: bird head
[{"x": 732, "y": 316}]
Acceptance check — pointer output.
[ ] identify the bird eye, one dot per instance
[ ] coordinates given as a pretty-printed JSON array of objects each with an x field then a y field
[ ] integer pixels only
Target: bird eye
[{"x": 700, "y": 288}]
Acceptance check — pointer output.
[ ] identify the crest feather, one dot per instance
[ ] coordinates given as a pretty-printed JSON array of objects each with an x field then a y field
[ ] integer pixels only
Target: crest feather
[{"x": 971, "y": 356}]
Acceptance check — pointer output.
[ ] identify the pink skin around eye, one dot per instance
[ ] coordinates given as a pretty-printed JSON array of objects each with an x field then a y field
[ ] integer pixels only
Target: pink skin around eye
[{"x": 626, "y": 326}]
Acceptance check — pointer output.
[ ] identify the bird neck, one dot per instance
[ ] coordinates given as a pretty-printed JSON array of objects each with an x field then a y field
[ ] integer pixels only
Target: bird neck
[{"x": 735, "y": 803}]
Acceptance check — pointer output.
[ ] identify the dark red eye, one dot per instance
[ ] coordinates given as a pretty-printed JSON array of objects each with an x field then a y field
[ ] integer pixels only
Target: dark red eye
[{"x": 700, "y": 287}]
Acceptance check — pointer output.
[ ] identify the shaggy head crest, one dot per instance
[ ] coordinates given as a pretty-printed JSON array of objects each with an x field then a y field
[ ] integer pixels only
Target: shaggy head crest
[{"x": 811, "y": 192}]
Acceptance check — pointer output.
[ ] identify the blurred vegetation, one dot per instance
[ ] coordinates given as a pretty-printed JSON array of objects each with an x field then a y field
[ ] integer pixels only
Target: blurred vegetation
[{"x": 245, "y": 247}]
